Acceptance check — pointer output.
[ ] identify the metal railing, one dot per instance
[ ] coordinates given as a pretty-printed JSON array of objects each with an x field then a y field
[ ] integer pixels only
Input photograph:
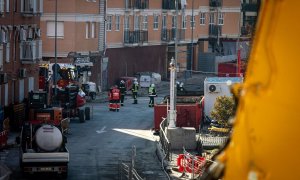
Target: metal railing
[
  {"x": 215, "y": 30},
  {"x": 215, "y": 3},
  {"x": 128, "y": 171},
  {"x": 136, "y": 4},
  {"x": 165, "y": 143},
  {"x": 132, "y": 37},
  {"x": 31, "y": 50},
  {"x": 30, "y": 7},
  {"x": 169, "y": 34}
]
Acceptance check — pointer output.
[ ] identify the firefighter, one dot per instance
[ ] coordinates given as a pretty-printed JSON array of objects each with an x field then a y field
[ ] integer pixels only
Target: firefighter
[
  {"x": 152, "y": 94},
  {"x": 110, "y": 98},
  {"x": 135, "y": 88},
  {"x": 116, "y": 98},
  {"x": 122, "y": 89}
]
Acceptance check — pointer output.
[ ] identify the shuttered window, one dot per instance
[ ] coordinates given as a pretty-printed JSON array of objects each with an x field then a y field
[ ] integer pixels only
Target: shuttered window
[{"x": 51, "y": 29}]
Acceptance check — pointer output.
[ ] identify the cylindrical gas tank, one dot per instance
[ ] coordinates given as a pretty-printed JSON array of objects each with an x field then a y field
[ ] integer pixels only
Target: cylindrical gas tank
[{"x": 48, "y": 138}]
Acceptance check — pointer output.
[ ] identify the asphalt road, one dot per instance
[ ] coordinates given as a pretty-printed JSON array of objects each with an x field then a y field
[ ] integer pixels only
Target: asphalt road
[{"x": 99, "y": 145}]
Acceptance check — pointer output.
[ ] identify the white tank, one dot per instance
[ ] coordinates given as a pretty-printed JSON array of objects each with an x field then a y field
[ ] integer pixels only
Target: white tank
[{"x": 48, "y": 138}]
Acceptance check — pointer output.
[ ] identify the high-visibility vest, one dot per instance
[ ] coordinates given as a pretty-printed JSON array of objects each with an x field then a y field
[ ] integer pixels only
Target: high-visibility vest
[
  {"x": 115, "y": 94},
  {"x": 135, "y": 88},
  {"x": 151, "y": 91}
]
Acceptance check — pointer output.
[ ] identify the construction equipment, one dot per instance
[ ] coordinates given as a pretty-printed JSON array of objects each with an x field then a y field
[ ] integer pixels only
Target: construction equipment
[
  {"x": 42, "y": 142},
  {"x": 68, "y": 93},
  {"x": 43, "y": 148},
  {"x": 264, "y": 142}
]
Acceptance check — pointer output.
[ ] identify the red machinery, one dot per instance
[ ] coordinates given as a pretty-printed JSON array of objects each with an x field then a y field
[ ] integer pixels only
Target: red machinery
[{"x": 69, "y": 96}]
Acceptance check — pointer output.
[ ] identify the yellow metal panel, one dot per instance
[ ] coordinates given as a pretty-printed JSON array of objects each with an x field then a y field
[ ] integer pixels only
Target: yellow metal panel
[{"x": 266, "y": 142}]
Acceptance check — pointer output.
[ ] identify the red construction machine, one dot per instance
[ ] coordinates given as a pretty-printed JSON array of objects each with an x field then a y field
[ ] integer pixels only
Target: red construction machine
[{"x": 66, "y": 94}]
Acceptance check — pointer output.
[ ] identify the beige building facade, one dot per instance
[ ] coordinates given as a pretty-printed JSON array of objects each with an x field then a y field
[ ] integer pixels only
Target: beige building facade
[{"x": 117, "y": 29}]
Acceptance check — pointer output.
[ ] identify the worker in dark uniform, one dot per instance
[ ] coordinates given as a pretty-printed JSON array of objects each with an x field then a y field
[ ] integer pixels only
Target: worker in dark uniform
[
  {"x": 135, "y": 88},
  {"x": 122, "y": 89},
  {"x": 152, "y": 94}
]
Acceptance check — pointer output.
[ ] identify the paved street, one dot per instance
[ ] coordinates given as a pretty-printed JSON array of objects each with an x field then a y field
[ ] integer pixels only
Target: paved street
[{"x": 98, "y": 145}]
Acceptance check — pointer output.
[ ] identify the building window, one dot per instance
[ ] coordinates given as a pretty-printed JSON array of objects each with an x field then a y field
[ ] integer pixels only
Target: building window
[
  {"x": 51, "y": 29},
  {"x": 183, "y": 21},
  {"x": 30, "y": 84},
  {"x": 155, "y": 21},
  {"x": 117, "y": 23},
  {"x": 192, "y": 21},
  {"x": 87, "y": 30},
  {"x": 126, "y": 22},
  {"x": 173, "y": 21},
  {"x": 211, "y": 18},
  {"x": 221, "y": 18},
  {"x": 136, "y": 22},
  {"x": 202, "y": 18},
  {"x": 164, "y": 22},
  {"x": 7, "y": 57},
  {"x": 7, "y": 5},
  {"x": 145, "y": 22},
  {"x": 108, "y": 22},
  {"x": 93, "y": 29}
]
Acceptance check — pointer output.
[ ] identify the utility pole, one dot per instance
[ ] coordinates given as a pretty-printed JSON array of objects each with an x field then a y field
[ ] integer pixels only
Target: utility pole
[
  {"x": 55, "y": 54},
  {"x": 173, "y": 75},
  {"x": 192, "y": 39}
]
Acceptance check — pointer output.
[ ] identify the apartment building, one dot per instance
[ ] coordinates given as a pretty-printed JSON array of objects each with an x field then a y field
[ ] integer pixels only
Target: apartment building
[
  {"x": 140, "y": 34},
  {"x": 20, "y": 49},
  {"x": 132, "y": 36}
]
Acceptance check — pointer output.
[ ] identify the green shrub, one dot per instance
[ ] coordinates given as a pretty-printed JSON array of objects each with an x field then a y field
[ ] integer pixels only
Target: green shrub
[{"x": 223, "y": 109}]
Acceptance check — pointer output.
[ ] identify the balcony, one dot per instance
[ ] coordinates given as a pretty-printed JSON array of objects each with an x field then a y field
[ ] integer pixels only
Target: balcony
[
  {"x": 31, "y": 7},
  {"x": 250, "y": 7},
  {"x": 170, "y": 5},
  {"x": 215, "y": 30},
  {"x": 135, "y": 37},
  {"x": 136, "y": 4},
  {"x": 168, "y": 35},
  {"x": 215, "y": 3},
  {"x": 30, "y": 51}
]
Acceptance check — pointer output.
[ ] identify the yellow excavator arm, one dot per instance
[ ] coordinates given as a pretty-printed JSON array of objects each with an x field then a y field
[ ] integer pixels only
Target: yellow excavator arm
[{"x": 265, "y": 141}]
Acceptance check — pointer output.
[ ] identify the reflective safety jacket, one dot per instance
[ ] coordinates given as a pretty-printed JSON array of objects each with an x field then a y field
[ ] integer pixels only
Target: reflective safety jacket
[
  {"x": 152, "y": 91},
  {"x": 135, "y": 88},
  {"x": 115, "y": 94}
]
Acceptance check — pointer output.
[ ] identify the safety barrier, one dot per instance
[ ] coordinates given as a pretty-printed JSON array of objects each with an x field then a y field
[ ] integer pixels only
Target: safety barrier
[
  {"x": 3, "y": 139},
  {"x": 190, "y": 163},
  {"x": 165, "y": 143},
  {"x": 129, "y": 172}
]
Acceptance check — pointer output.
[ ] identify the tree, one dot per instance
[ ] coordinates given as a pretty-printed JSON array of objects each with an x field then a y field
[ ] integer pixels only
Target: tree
[{"x": 224, "y": 108}]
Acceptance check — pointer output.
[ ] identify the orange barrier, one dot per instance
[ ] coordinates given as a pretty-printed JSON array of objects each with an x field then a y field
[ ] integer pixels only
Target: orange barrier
[{"x": 190, "y": 164}]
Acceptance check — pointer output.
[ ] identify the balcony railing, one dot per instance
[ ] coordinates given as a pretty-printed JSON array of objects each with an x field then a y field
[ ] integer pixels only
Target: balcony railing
[
  {"x": 134, "y": 37},
  {"x": 136, "y": 4},
  {"x": 168, "y": 35},
  {"x": 170, "y": 4},
  {"x": 252, "y": 7},
  {"x": 30, "y": 51},
  {"x": 215, "y": 30},
  {"x": 215, "y": 3},
  {"x": 31, "y": 7}
]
